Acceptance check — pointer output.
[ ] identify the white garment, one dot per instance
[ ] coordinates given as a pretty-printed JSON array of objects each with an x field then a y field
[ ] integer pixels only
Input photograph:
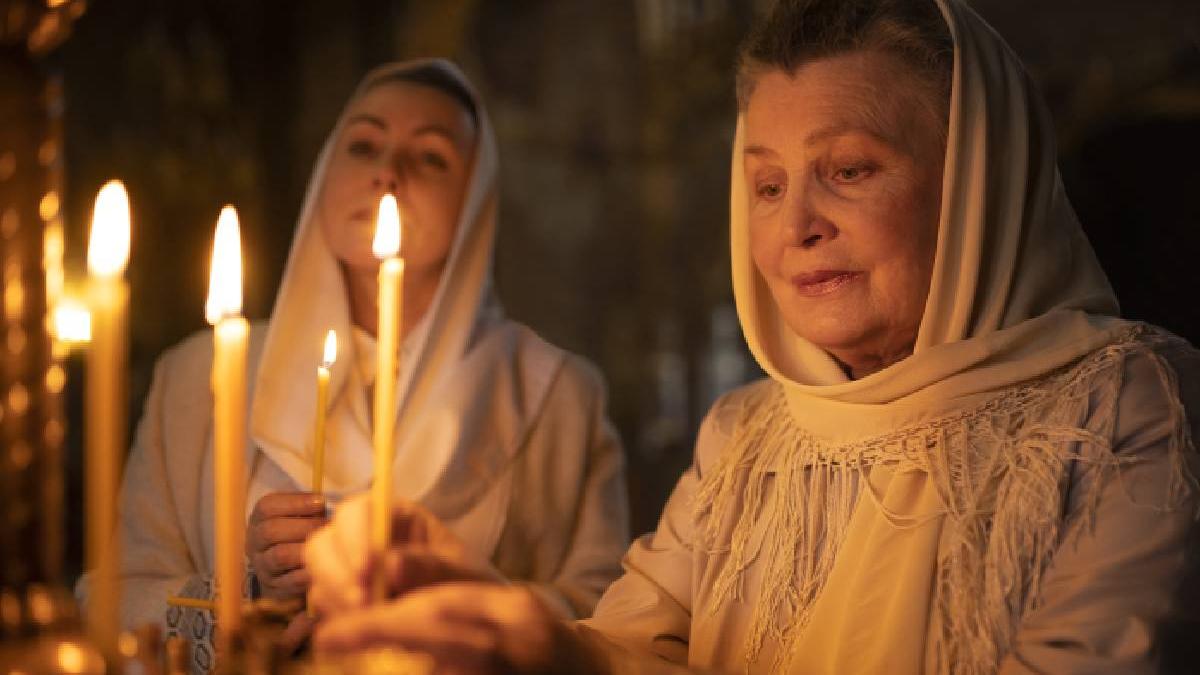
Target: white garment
[
  {"x": 500, "y": 434},
  {"x": 1102, "y": 598}
]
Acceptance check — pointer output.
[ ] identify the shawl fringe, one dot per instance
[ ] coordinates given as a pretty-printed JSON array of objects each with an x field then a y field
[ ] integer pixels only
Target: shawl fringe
[{"x": 1002, "y": 471}]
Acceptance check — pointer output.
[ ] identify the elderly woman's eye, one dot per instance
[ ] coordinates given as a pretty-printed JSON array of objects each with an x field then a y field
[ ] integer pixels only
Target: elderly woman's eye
[
  {"x": 770, "y": 190},
  {"x": 851, "y": 174}
]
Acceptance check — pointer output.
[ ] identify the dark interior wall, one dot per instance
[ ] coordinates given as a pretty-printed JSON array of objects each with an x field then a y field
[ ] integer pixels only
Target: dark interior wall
[{"x": 614, "y": 121}]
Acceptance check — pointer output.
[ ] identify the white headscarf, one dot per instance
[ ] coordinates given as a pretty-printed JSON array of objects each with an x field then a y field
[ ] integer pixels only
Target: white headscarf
[
  {"x": 458, "y": 416},
  {"x": 969, "y": 436},
  {"x": 1016, "y": 289}
]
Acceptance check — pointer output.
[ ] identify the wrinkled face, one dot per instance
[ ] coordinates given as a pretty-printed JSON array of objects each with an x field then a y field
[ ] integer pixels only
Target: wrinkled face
[
  {"x": 843, "y": 175},
  {"x": 408, "y": 139}
]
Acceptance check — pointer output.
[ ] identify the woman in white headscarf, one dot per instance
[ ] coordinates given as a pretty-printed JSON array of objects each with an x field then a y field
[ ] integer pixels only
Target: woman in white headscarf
[
  {"x": 501, "y": 438},
  {"x": 962, "y": 460}
]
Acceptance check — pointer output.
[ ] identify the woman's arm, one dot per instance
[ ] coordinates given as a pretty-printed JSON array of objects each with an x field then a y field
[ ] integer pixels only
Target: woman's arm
[
  {"x": 572, "y": 488},
  {"x": 155, "y": 561},
  {"x": 1114, "y": 577}
]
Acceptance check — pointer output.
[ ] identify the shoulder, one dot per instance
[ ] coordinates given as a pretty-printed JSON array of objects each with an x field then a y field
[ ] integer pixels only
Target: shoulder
[
  {"x": 1159, "y": 395},
  {"x": 726, "y": 414},
  {"x": 571, "y": 375},
  {"x": 184, "y": 368}
]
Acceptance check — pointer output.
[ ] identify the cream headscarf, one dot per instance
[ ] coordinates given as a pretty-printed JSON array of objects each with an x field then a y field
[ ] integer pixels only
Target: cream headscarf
[
  {"x": 1016, "y": 297},
  {"x": 459, "y": 415},
  {"x": 1016, "y": 289}
]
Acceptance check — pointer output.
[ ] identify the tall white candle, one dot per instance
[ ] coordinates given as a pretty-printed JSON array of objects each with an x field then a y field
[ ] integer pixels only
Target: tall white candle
[
  {"x": 231, "y": 334},
  {"x": 329, "y": 356},
  {"x": 107, "y": 380},
  {"x": 391, "y": 280}
]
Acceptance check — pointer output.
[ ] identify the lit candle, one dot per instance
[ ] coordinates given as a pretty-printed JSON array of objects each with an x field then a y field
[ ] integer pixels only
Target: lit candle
[
  {"x": 330, "y": 356},
  {"x": 391, "y": 279},
  {"x": 230, "y": 336},
  {"x": 108, "y": 298}
]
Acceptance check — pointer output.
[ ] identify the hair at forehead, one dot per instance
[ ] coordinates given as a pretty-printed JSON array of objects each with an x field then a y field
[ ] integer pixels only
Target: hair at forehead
[
  {"x": 796, "y": 32},
  {"x": 891, "y": 119},
  {"x": 434, "y": 78}
]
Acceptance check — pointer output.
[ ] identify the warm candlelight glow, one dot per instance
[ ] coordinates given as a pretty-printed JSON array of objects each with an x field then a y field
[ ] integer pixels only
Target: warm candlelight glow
[
  {"x": 72, "y": 322},
  {"x": 387, "y": 229},
  {"x": 225, "y": 279},
  {"x": 108, "y": 245},
  {"x": 107, "y": 320},
  {"x": 330, "y": 348},
  {"x": 387, "y": 342}
]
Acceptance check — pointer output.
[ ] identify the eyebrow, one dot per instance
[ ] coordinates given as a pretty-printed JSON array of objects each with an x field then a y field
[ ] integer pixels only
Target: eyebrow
[
  {"x": 433, "y": 128},
  {"x": 369, "y": 119},
  {"x": 437, "y": 130},
  {"x": 824, "y": 133},
  {"x": 756, "y": 150}
]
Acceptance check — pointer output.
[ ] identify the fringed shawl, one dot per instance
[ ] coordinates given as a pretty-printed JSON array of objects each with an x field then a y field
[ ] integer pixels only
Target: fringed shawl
[
  {"x": 944, "y": 474},
  {"x": 1000, "y": 471}
]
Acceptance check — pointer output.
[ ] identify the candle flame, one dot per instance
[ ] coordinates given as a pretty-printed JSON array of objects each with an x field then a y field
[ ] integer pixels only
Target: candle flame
[
  {"x": 72, "y": 322},
  {"x": 387, "y": 228},
  {"x": 225, "y": 279},
  {"x": 330, "y": 348},
  {"x": 108, "y": 244}
]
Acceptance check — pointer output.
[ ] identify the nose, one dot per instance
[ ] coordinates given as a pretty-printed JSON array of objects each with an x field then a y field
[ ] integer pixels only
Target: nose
[
  {"x": 387, "y": 176},
  {"x": 805, "y": 226}
]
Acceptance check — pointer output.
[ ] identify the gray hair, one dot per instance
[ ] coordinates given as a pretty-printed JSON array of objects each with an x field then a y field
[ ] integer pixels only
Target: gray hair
[{"x": 796, "y": 32}]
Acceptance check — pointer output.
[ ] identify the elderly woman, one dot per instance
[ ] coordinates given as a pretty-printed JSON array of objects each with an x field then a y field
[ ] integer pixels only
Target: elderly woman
[
  {"x": 962, "y": 461},
  {"x": 501, "y": 438}
]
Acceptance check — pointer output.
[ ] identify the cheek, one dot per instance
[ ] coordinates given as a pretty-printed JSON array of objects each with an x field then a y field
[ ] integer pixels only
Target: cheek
[
  {"x": 762, "y": 249},
  {"x": 904, "y": 250},
  {"x": 435, "y": 211},
  {"x": 329, "y": 216}
]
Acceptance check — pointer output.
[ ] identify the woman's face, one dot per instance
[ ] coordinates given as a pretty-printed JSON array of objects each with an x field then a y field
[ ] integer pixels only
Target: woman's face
[
  {"x": 415, "y": 142},
  {"x": 843, "y": 167}
]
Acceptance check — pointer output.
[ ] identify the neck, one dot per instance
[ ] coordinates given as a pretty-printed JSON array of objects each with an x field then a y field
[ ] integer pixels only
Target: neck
[
  {"x": 416, "y": 295},
  {"x": 858, "y": 365}
]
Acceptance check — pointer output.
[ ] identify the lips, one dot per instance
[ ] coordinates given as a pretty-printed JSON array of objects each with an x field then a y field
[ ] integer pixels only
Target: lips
[{"x": 822, "y": 282}]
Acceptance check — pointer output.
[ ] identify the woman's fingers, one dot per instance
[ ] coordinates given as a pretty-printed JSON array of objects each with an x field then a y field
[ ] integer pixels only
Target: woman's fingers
[
  {"x": 409, "y": 568},
  {"x": 414, "y": 622},
  {"x": 413, "y": 524},
  {"x": 473, "y": 627},
  {"x": 283, "y": 517},
  {"x": 422, "y": 551},
  {"x": 297, "y": 631},
  {"x": 284, "y": 530},
  {"x": 288, "y": 505},
  {"x": 293, "y": 583},
  {"x": 337, "y": 572}
]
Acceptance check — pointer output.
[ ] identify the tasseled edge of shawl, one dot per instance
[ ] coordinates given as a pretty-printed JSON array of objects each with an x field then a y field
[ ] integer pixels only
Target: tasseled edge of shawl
[{"x": 1002, "y": 471}]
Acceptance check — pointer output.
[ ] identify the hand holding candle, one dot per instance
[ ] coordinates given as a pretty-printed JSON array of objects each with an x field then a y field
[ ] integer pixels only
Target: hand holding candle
[
  {"x": 391, "y": 280},
  {"x": 108, "y": 300},
  {"x": 230, "y": 337}
]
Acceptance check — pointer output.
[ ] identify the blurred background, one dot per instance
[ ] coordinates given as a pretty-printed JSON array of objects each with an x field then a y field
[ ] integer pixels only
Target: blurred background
[{"x": 614, "y": 121}]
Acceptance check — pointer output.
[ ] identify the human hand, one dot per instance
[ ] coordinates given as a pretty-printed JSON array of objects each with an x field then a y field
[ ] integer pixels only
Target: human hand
[
  {"x": 423, "y": 551},
  {"x": 298, "y": 630},
  {"x": 275, "y": 536},
  {"x": 464, "y": 628}
]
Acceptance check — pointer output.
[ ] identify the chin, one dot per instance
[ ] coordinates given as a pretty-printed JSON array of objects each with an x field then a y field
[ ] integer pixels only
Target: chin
[
  {"x": 358, "y": 261},
  {"x": 833, "y": 333}
]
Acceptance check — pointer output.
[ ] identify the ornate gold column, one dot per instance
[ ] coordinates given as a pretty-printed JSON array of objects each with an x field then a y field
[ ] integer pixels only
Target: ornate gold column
[{"x": 37, "y": 613}]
